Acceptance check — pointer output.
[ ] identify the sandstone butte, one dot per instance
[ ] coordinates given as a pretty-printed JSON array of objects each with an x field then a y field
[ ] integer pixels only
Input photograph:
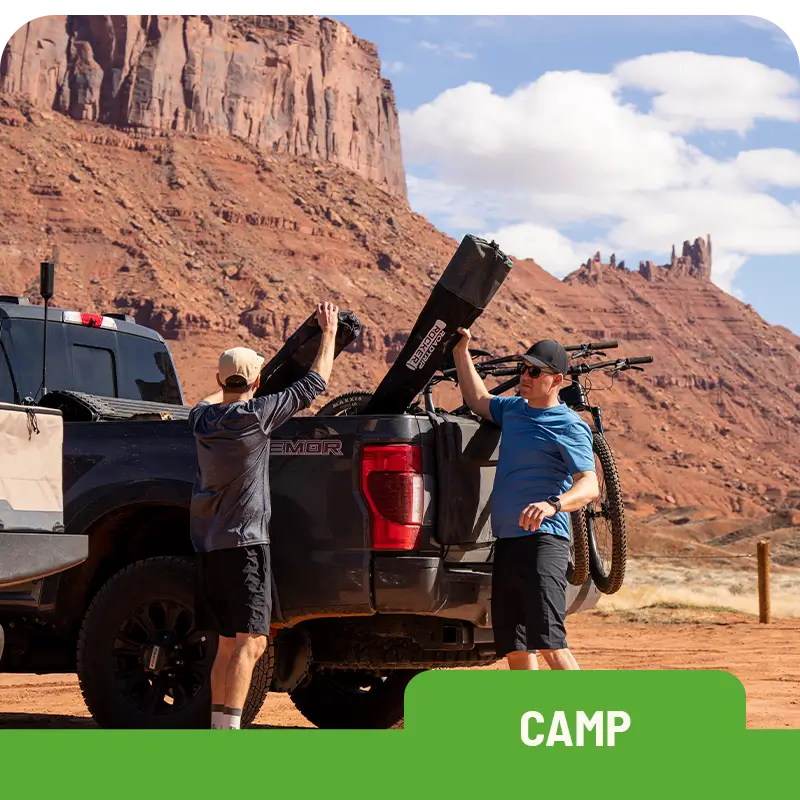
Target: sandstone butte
[
  {"x": 287, "y": 85},
  {"x": 214, "y": 177}
]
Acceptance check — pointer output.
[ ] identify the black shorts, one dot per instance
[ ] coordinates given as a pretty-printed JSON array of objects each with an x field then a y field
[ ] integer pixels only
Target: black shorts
[
  {"x": 529, "y": 593},
  {"x": 234, "y": 591}
]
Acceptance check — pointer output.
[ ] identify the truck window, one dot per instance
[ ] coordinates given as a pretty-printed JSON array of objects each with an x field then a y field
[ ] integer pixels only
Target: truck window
[
  {"x": 6, "y": 386},
  {"x": 22, "y": 339},
  {"x": 145, "y": 371},
  {"x": 90, "y": 360},
  {"x": 93, "y": 370}
]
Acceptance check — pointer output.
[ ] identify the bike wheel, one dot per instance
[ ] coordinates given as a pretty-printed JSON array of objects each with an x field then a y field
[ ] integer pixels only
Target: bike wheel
[
  {"x": 345, "y": 405},
  {"x": 605, "y": 523},
  {"x": 578, "y": 570},
  {"x": 352, "y": 403}
]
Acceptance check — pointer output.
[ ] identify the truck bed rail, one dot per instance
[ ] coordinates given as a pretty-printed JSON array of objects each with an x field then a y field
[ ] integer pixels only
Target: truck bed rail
[{"x": 81, "y": 407}]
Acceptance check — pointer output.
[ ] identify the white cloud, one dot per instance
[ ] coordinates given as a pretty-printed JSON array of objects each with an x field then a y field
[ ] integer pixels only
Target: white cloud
[
  {"x": 568, "y": 149},
  {"x": 695, "y": 91},
  {"x": 545, "y": 245},
  {"x": 768, "y": 167},
  {"x": 567, "y": 132}
]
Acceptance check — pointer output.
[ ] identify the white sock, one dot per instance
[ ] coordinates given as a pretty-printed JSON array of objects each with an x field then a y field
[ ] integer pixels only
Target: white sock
[
  {"x": 232, "y": 719},
  {"x": 217, "y": 717}
]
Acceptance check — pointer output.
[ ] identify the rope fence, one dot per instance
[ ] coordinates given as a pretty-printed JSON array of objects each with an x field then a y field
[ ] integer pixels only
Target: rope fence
[
  {"x": 672, "y": 558},
  {"x": 761, "y": 554}
]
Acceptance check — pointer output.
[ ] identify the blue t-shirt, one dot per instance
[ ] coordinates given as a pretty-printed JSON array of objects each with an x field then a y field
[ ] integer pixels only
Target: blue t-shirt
[{"x": 540, "y": 450}]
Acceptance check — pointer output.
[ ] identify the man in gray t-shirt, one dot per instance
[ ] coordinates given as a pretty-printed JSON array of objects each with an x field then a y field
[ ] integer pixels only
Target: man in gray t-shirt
[{"x": 230, "y": 510}]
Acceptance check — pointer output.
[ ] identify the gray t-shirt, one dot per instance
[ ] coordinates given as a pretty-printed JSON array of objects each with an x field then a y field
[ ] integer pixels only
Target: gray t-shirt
[{"x": 230, "y": 501}]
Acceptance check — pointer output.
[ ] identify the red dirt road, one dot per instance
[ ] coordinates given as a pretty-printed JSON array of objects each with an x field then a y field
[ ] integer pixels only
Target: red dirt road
[{"x": 766, "y": 658}]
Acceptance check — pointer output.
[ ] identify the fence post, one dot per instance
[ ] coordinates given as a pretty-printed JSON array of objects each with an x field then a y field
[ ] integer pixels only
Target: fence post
[{"x": 764, "y": 611}]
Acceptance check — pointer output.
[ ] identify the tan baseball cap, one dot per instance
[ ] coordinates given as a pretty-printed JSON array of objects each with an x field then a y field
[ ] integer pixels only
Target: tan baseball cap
[{"x": 242, "y": 363}]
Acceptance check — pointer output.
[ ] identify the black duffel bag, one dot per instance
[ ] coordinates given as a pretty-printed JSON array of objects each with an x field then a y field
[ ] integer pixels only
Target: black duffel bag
[
  {"x": 294, "y": 359},
  {"x": 475, "y": 273}
]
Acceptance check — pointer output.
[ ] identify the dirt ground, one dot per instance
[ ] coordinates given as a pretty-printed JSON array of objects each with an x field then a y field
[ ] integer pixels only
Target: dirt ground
[{"x": 766, "y": 658}]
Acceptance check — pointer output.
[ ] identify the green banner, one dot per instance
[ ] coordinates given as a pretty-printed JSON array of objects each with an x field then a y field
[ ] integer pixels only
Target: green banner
[{"x": 612, "y": 734}]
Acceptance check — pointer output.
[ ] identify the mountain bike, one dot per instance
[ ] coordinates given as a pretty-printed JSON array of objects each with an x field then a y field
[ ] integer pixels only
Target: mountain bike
[{"x": 598, "y": 537}]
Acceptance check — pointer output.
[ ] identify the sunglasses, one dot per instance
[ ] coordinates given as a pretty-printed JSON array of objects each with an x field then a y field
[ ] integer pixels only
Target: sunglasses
[{"x": 535, "y": 372}]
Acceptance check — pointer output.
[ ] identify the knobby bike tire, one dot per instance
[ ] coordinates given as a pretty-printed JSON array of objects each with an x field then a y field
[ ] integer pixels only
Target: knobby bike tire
[
  {"x": 345, "y": 404},
  {"x": 605, "y": 523},
  {"x": 578, "y": 571},
  {"x": 351, "y": 403}
]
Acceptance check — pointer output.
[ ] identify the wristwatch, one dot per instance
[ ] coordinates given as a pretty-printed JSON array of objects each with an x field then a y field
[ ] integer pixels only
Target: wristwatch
[{"x": 556, "y": 501}]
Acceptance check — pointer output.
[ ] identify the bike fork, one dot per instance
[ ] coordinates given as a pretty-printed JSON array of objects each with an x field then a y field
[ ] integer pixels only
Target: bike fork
[{"x": 597, "y": 418}]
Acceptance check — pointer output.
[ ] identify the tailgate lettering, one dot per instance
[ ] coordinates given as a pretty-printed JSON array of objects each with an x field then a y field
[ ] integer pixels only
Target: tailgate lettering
[{"x": 305, "y": 447}]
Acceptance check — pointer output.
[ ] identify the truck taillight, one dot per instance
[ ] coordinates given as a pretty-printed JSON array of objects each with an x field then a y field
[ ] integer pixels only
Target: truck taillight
[
  {"x": 89, "y": 320},
  {"x": 391, "y": 482}
]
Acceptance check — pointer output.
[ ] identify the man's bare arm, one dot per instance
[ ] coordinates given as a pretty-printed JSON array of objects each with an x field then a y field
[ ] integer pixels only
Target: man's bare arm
[
  {"x": 476, "y": 395},
  {"x": 584, "y": 489},
  {"x": 328, "y": 318}
]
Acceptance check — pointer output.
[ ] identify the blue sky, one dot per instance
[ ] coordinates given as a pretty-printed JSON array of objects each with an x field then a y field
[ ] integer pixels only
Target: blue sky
[{"x": 476, "y": 157}]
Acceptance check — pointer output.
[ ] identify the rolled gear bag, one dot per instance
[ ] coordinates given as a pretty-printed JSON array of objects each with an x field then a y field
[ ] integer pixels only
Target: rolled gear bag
[
  {"x": 294, "y": 359},
  {"x": 475, "y": 273}
]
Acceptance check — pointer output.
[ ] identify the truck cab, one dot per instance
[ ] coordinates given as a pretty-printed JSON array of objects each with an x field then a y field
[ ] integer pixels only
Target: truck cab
[{"x": 108, "y": 355}]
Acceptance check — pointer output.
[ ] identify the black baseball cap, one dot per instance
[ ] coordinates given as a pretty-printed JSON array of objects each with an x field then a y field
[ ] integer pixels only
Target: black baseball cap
[{"x": 548, "y": 354}]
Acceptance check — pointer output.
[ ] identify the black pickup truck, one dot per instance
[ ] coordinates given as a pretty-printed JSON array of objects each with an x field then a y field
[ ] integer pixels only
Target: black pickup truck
[{"x": 380, "y": 537}]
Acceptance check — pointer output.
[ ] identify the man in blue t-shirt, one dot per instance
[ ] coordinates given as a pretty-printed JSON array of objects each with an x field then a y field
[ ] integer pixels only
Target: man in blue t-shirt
[{"x": 546, "y": 470}]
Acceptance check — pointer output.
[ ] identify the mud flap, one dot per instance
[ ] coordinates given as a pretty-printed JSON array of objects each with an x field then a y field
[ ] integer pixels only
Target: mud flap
[
  {"x": 472, "y": 278},
  {"x": 295, "y": 358}
]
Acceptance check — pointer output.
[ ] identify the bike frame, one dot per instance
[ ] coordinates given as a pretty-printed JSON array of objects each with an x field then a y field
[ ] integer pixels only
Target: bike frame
[{"x": 574, "y": 396}]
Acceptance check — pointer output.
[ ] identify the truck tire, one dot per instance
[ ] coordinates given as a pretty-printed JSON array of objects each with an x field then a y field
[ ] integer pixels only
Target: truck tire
[
  {"x": 143, "y": 616},
  {"x": 353, "y": 699}
]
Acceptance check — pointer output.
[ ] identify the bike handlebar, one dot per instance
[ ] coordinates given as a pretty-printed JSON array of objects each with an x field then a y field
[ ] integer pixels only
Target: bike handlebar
[
  {"x": 587, "y": 348},
  {"x": 575, "y": 369},
  {"x": 620, "y": 363},
  {"x": 609, "y": 345}
]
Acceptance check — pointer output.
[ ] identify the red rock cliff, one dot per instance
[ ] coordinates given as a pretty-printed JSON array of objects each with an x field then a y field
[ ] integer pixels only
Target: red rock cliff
[{"x": 300, "y": 85}]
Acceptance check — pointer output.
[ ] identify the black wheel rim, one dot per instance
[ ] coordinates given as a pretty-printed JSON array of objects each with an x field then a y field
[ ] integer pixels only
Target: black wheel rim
[{"x": 161, "y": 661}]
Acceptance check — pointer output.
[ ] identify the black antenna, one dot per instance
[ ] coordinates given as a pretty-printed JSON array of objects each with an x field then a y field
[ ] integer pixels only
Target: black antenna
[{"x": 47, "y": 275}]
